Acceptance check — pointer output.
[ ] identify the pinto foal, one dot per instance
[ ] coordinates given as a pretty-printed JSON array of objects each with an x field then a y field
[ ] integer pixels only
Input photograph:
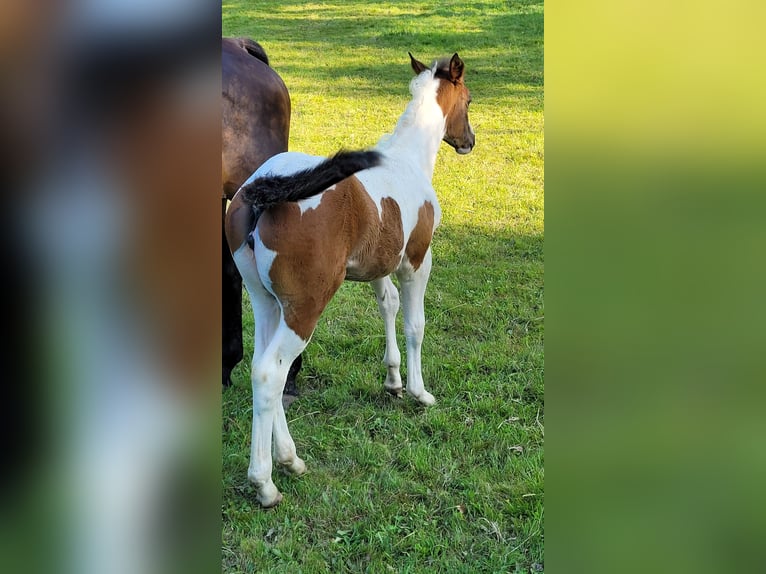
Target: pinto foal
[{"x": 319, "y": 224}]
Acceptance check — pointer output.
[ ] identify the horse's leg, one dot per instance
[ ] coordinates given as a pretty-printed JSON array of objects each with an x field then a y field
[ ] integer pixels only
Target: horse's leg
[
  {"x": 266, "y": 315},
  {"x": 292, "y": 347},
  {"x": 268, "y": 379},
  {"x": 388, "y": 305},
  {"x": 413, "y": 294},
  {"x": 284, "y": 446},
  {"x": 269, "y": 373},
  {"x": 291, "y": 387},
  {"x": 231, "y": 294},
  {"x": 269, "y": 423}
]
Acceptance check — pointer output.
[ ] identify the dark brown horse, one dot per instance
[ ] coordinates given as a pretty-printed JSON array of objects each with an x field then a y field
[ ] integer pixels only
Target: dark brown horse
[{"x": 256, "y": 126}]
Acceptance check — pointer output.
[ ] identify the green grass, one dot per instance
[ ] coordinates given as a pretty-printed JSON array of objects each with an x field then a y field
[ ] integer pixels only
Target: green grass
[{"x": 392, "y": 486}]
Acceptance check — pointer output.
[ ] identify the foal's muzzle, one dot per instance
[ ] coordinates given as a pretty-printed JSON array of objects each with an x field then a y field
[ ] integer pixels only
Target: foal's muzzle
[{"x": 464, "y": 144}]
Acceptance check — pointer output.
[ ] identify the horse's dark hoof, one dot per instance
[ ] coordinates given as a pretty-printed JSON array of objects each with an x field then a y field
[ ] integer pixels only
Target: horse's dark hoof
[
  {"x": 291, "y": 388},
  {"x": 287, "y": 400},
  {"x": 227, "y": 380}
]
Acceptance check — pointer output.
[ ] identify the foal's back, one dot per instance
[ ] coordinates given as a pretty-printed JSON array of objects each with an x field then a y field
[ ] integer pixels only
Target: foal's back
[{"x": 363, "y": 228}]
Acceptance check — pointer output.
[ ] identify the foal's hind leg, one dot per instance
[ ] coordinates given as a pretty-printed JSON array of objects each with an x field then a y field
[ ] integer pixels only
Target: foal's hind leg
[
  {"x": 266, "y": 311},
  {"x": 268, "y": 374},
  {"x": 388, "y": 305},
  {"x": 284, "y": 446},
  {"x": 413, "y": 294},
  {"x": 268, "y": 377}
]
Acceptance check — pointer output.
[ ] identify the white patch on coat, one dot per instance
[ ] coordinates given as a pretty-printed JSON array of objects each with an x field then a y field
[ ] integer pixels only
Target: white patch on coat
[
  {"x": 312, "y": 202},
  {"x": 255, "y": 264}
]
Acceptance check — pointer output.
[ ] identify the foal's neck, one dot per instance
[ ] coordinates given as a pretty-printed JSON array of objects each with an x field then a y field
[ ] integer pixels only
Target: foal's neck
[{"x": 419, "y": 132}]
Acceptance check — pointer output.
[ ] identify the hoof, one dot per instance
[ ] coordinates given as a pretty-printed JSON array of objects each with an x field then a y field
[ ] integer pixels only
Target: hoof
[
  {"x": 393, "y": 385},
  {"x": 426, "y": 399},
  {"x": 268, "y": 495},
  {"x": 297, "y": 467},
  {"x": 287, "y": 400},
  {"x": 271, "y": 503},
  {"x": 291, "y": 388}
]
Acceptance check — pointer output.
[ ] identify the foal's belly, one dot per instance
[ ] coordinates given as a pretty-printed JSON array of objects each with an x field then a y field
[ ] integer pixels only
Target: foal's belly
[{"x": 375, "y": 267}]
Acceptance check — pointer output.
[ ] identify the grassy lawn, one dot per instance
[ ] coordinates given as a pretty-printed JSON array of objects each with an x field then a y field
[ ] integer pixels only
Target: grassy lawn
[{"x": 392, "y": 486}]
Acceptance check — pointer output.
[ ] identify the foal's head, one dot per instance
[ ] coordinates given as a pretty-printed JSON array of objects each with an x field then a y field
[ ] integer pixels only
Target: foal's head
[{"x": 453, "y": 98}]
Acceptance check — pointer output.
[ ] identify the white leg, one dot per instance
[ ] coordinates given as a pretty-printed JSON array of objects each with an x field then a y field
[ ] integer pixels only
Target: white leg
[
  {"x": 284, "y": 446},
  {"x": 268, "y": 377},
  {"x": 266, "y": 312},
  {"x": 413, "y": 293},
  {"x": 388, "y": 305}
]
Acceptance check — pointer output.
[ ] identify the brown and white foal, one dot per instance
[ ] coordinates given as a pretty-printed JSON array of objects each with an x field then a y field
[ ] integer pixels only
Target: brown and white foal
[{"x": 319, "y": 225}]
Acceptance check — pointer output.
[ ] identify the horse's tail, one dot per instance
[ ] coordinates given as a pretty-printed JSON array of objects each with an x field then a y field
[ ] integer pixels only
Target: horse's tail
[{"x": 268, "y": 190}]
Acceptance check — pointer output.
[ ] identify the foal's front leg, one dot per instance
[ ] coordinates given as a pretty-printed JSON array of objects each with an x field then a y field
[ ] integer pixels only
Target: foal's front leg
[
  {"x": 413, "y": 295},
  {"x": 388, "y": 305}
]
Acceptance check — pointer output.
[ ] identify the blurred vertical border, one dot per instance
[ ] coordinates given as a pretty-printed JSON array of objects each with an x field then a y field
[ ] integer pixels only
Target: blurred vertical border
[
  {"x": 655, "y": 275},
  {"x": 110, "y": 149}
]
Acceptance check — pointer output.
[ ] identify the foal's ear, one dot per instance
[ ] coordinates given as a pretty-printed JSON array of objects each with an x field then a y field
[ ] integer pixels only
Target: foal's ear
[
  {"x": 417, "y": 66},
  {"x": 455, "y": 68}
]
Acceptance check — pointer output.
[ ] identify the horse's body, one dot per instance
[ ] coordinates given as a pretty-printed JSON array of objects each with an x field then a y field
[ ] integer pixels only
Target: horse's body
[
  {"x": 256, "y": 126},
  {"x": 365, "y": 227}
]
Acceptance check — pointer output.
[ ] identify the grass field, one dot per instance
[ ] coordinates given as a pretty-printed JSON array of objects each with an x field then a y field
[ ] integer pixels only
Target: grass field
[{"x": 392, "y": 486}]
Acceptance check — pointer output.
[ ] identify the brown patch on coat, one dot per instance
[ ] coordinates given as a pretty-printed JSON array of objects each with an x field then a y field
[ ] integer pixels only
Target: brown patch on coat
[
  {"x": 420, "y": 238},
  {"x": 377, "y": 251},
  {"x": 314, "y": 248},
  {"x": 238, "y": 222}
]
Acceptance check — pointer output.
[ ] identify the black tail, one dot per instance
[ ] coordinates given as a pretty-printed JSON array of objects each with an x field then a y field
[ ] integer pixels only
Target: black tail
[{"x": 275, "y": 189}]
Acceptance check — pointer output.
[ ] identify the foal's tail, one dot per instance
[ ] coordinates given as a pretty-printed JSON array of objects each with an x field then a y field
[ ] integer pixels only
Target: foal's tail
[{"x": 271, "y": 190}]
